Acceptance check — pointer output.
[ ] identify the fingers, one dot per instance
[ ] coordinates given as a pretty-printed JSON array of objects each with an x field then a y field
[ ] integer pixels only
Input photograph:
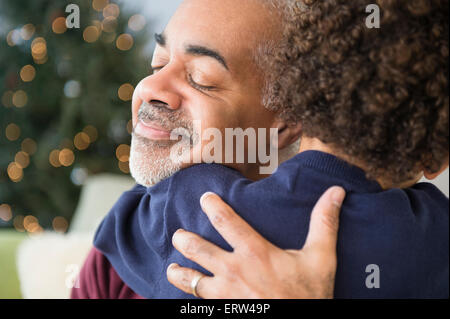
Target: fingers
[
  {"x": 199, "y": 250},
  {"x": 324, "y": 223},
  {"x": 182, "y": 278},
  {"x": 230, "y": 225}
]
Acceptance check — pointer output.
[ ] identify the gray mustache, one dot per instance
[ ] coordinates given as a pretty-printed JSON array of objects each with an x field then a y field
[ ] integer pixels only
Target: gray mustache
[{"x": 168, "y": 119}]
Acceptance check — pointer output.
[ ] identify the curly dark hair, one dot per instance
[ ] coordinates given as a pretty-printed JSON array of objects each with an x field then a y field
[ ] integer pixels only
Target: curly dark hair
[{"x": 379, "y": 95}]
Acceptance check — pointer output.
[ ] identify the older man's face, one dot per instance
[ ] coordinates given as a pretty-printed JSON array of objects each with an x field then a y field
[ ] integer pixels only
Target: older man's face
[{"x": 203, "y": 70}]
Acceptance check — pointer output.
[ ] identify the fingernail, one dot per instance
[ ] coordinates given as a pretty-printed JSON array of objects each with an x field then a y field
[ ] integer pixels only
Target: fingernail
[
  {"x": 172, "y": 266},
  {"x": 338, "y": 196},
  {"x": 205, "y": 196},
  {"x": 179, "y": 231}
]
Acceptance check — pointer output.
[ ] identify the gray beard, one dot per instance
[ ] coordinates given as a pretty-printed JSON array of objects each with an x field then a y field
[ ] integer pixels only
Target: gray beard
[{"x": 150, "y": 161}]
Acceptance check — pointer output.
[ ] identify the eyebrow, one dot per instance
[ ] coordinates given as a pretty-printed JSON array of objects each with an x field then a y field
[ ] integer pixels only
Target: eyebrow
[{"x": 196, "y": 50}]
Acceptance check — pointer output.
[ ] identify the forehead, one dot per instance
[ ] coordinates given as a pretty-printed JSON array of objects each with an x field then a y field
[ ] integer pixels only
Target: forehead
[{"x": 233, "y": 27}]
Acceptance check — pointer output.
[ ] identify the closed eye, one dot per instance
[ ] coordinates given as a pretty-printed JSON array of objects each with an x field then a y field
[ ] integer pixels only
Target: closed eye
[
  {"x": 197, "y": 86},
  {"x": 191, "y": 81}
]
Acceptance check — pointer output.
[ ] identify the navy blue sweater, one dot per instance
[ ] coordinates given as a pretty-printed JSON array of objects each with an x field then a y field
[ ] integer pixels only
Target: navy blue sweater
[{"x": 405, "y": 232}]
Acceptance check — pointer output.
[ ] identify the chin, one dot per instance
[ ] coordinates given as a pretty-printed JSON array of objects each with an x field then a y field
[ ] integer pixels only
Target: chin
[{"x": 150, "y": 162}]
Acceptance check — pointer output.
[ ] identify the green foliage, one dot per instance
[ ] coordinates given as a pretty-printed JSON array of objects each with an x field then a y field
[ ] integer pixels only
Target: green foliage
[{"x": 51, "y": 118}]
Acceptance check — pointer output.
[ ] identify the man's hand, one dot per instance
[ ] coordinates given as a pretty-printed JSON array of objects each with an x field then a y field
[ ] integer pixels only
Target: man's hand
[{"x": 256, "y": 268}]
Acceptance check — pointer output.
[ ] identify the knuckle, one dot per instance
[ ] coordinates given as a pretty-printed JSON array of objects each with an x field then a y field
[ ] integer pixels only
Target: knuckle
[
  {"x": 190, "y": 246},
  {"x": 220, "y": 217},
  {"x": 331, "y": 221}
]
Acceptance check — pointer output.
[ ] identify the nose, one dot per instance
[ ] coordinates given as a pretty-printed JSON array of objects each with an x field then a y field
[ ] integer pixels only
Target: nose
[{"x": 160, "y": 88}]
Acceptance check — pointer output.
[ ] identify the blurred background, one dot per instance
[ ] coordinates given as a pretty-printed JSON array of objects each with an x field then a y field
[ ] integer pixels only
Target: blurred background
[
  {"x": 65, "y": 113},
  {"x": 65, "y": 130}
]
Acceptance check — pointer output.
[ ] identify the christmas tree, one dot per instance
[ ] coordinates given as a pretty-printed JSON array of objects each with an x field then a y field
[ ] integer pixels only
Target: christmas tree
[{"x": 65, "y": 104}]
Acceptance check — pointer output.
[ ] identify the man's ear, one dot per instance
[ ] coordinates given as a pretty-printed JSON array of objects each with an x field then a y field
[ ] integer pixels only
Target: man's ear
[
  {"x": 430, "y": 176},
  {"x": 288, "y": 132}
]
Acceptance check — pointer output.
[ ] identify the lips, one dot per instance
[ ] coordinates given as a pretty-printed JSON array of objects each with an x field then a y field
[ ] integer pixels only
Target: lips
[{"x": 152, "y": 131}]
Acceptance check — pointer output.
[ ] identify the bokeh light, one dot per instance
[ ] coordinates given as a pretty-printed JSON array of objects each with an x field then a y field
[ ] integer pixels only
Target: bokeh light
[
  {"x": 30, "y": 223},
  {"x": 12, "y": 132},
  {"x": 27, "y": 31},
  {"x": 81, "y": 141},
  {"x": 27, "y": 73},
  {"x": 111, "y": 10},
  {"x": 124, "y": 42},
  {"x": 5, "y": 212},
  {"x": 15, "y": 172},
  {"x": 18, "y": 223},
  {"x": 123, "y": 153},
  {"x": 20, "y": 98},
  {"x": 7, "y": 98},
  {"x": 109, "y": 24},
  {"x": 99, "y": 5},
  {"x": 137, "y": 22},
  {"x": 125, "y": 92},
  {"x": 92, "y": 132},
  {"x": 53, "y": 158},
  {"x": 91, "y": 34},
  {"x": 124, "y": 167},
  {"x": 59, "y": 25},
  {"x": 66, "y": 157},
  {"x": 39, "y": 50},
  {"x": 60, "y": 224},
  {"x": 22, "y": 159},
  {"x": 29, "y": 146}
]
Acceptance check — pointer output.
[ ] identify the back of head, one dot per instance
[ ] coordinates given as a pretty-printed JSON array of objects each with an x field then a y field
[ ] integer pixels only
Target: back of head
[{"x": 378, "y": 95}]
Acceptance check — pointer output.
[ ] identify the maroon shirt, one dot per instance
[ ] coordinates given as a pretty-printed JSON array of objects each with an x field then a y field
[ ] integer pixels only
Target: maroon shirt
[{"x": 99, "y": 280}]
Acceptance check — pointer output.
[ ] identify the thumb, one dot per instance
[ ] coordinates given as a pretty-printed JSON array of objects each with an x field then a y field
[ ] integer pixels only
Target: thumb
[{"x": 324, "y": 224}]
